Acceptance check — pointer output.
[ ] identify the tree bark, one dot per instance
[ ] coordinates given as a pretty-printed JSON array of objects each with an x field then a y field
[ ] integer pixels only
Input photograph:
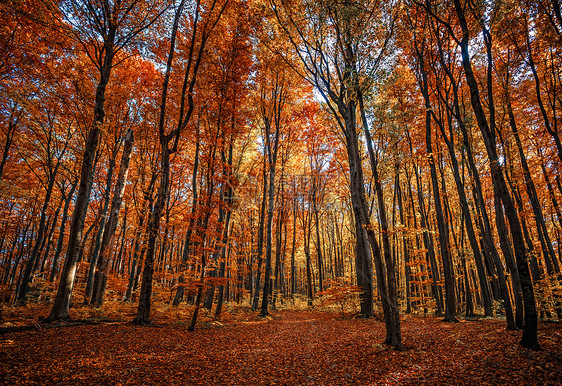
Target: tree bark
[
  {"x": 42, "y": 227},
  {"x": 61, "y": 304},
  {"x": 143, "y": 310},
  {"x": 529, "y": 338},
  {"x": 111, "y": 226},
  {"x": 460, "y": 188},
  {"x": 259, "y": 251},
  {"x": 187, "y": 244},
  {"x": 272, "y": 149},
  {"x": 548, "y": 251},
  {"x": 392, "y": 315},
  {"x": 103, "y": 221}
]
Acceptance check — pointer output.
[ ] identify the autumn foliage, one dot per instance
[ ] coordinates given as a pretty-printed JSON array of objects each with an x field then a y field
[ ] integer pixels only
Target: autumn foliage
[{"x": 190, "y": 157}]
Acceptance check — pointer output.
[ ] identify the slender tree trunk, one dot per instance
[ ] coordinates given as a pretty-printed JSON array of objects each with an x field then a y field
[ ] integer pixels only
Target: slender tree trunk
[
  {"x": 486, "y": 231},
  {"x": 278, "y": 245},
  {"x": 536, "y": 271},
  {"x": 101, "y": 229},
  {"x": 61, "y": 304},
  {"x": 172, "y": 138},
  {"x": 552, "y": 195},
  {"x": 138, "y": 253},
  {"x": 309, "y": 285},
  {"x": 143, "y": 310},
  {"x": 363, "y": 266},
  {"x": 49, "y": 240},
  {"x": 260, "y": 242},
  {"x": 392, "y": 316},
  {"x": 118, "y": 266},
  {"x": 319, "y": 258},
  {"x": 551, "y": 128},
  {"x": 529, "y": 338},
  {"x": 109, "y": 232},
  {"x": 272, "y": 153},
  {"x": 480, "y": 269},
  {"x": 12, "y": 125},
  {"x": 24, "y": 287},
  {"x": 199, "y": 294},
  {"x": 443, "y": 231},
  {"x": 461, "y": 192},
  {"x": 293, "y": 266},
  {"x": 428, "y": 243},
  {"x": 187, "y": 245},
  {"x": 405, "y": 242},
  {"x": 228, "y": 200},
  {"x": 548, "y": 251},
  {"x": 8, "y": 260}
]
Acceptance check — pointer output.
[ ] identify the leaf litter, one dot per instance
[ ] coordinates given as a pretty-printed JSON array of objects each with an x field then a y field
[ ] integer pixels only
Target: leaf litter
[{"x": 289, "y": 348}]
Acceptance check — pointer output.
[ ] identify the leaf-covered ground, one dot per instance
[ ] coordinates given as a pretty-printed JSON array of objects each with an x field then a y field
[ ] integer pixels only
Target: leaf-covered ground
[{"x": 291, "y": 348}]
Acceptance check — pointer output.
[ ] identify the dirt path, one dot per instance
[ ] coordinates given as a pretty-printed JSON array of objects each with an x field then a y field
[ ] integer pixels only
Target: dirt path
[{"x": 293, "y": 348}]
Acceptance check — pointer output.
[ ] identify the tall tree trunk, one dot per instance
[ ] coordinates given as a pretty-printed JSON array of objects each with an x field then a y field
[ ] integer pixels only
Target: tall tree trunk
[
  {"x": 552, "y": 195},
  {"x": 222, "y": 266},
  {"x": 228, "y": 200},
  {"x": 392, "y": 316},
  {"x": 109, "y": 232},
  {"x": 195, "y": 55},
  {"x": 61, "y": 303},
  {"x": 8, "y": 263},
  {"x": 101, "y": 229},
  {"x": 316, "y": 210},
  {"x": 480, "y": 268},
  {"x": 460, "y": 187},
  {"x": 529, "y": 338},
  {"x": 486, "y": 231},
  {"x": 12, "y": 125},
  {"x": 260, "y": 241},
  {"x": 516, "y": 193},
  {"x": 24, "y": 287},
  {"x": 272, "y": 149},
  {"x": 138, "y": 252},
  {"x": 293, "y": 265},
  {"x": 143, "y": 310},
  {"x": 551, "y": 128},
  {"x": 363, "y": 267},
  {"x": 49, "y": 239},
  {"x": 275, "y": 288},
  {"x": 187, "y": 244},
  {"x": 118, "y": 263},
  {"x": 309, "y": 284},
  {"x": 405, "y": 241},
  {"x": 443, "y": 229},
  {"x": 548, "y": 251},
  {"x": 428, "y": 243}
]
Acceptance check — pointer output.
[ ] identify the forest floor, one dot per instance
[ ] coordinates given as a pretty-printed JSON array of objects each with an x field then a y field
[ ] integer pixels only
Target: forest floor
[{"x": 288, "y": 348}]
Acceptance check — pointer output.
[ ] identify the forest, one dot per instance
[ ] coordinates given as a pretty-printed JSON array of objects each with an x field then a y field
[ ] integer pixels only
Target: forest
[{"x": 385, "y": 173}]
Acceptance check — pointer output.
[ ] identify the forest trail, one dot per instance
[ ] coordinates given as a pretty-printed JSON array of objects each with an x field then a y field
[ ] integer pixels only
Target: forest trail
[{"x": 290, "y": 348}]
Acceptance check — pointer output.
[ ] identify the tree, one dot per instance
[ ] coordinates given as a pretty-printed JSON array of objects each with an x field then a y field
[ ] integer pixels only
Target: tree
[
  {"x": 102, "y": 29},
  {"x": 109, "y": 231},
  {"x": 274, "y": 99},
  {"x": 331, "y": 51},
  {"x": 169, "y": 141},
  {"x": 487, "y": 126}
]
